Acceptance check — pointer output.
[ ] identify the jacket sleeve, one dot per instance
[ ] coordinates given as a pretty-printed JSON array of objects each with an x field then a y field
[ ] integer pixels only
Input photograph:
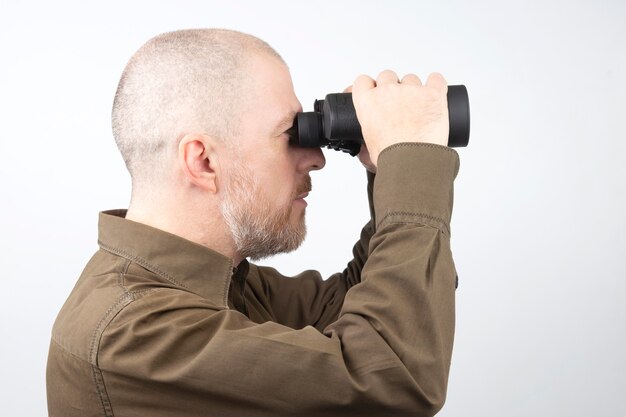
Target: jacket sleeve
[
  {"x": 387, "y": 354},
  {"x": 306, "y": 299}
]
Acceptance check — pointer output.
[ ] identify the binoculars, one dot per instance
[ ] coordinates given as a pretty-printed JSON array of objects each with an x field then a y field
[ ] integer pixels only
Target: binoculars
[{"x": 334, "y": 124}]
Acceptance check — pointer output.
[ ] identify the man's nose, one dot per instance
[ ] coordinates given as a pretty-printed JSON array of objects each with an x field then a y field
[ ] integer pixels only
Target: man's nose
[{"x": 311, "y": 159}]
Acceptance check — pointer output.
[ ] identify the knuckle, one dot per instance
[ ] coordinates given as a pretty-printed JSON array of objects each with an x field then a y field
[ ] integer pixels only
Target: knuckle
[
  {"x": 387, "y": 72},
  {"x": 362, "y": 79},
  {"x": 438, "y": 77},
  {"x": 411, "y": 77}
]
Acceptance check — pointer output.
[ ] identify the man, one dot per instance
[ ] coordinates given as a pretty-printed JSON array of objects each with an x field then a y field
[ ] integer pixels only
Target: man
[{"x": 170, "y": 319}]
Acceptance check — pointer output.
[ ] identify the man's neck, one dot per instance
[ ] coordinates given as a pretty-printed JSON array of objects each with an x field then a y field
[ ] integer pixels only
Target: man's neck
[{"x": 206, "y": 230}]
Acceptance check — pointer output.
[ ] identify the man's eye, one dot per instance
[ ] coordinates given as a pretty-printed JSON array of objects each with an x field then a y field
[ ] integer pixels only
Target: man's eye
[{"x": 292, "y": 132}]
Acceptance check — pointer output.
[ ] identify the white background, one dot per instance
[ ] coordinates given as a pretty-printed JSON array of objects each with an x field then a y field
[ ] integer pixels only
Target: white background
[{"x": 538, "y": 230}]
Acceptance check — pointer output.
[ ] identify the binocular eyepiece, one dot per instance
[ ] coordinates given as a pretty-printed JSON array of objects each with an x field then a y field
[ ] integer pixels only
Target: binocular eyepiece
[{"x": 334, "y": 124}]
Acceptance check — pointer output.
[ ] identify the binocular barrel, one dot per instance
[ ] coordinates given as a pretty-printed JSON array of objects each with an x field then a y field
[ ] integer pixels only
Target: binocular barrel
[{"x": 334, "y": 124}]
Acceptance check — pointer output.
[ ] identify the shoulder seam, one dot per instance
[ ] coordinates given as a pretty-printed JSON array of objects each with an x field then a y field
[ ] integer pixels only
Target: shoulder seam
[
  {"x": 96, "y": 375},
  {"x": 122, "y": 301}
]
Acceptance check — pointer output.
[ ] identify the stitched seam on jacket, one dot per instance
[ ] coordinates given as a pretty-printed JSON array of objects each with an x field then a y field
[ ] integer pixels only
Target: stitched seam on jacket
[
  {"x": 226, "y": 289},
  {"x": 123, "y": 300},
  {"x": 98, "y": 381},
  {"x": 441, "y": 223},
  {"x": 97, "y": 377},
  {"x": 416, "y": 144},
  {"x": 121, "y": 280},
  {"x": 141, "y": 262}
]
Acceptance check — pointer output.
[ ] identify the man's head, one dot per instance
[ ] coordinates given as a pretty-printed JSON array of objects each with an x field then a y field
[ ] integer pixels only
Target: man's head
[
  {"x": 200, "y": 119},
  {"x": 180, "y": 82}
]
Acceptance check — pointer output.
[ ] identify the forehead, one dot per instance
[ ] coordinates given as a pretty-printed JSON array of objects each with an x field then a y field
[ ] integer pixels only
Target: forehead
[{"x": 274, "y": 102}]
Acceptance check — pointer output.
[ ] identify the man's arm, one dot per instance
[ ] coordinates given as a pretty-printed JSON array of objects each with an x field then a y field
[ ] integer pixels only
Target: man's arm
[
  {"x": 381, "y": 106},
  {"x": 403, "y": 310},
  {"x": 307, "y": 299}
]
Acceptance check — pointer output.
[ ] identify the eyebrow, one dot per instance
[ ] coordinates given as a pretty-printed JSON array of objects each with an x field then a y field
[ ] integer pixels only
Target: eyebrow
[{"x": 286, "y": 122}]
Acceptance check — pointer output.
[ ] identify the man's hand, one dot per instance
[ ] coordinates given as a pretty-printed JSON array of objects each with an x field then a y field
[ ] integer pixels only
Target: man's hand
[
  {"x": 392, "y": 111},
  {"x": 364, "y": 155}
]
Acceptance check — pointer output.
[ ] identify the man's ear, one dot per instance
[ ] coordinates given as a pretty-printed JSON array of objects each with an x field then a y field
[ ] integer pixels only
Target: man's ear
[{"x": 197, "y": 156}]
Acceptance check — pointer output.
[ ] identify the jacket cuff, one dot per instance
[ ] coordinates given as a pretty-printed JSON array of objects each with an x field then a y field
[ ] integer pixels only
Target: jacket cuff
[{"x": 414, "y": 184}]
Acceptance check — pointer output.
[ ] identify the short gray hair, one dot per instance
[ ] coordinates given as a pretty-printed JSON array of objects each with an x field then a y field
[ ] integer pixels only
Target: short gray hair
[{"x": 181, "y": 82}]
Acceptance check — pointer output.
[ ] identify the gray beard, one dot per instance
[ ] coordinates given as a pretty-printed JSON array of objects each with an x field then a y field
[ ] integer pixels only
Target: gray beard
[{"x": 258, "y": 231}]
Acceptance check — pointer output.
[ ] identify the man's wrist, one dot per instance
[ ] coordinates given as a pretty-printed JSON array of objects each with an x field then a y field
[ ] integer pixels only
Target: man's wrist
[{"x": 414, "y": 182}]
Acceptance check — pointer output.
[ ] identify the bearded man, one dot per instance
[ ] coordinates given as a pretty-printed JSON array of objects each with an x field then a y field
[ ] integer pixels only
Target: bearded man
[{"x": 169, "y": 318}]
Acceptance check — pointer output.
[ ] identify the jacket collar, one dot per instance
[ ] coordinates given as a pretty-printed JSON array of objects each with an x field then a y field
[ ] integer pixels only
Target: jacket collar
[{"x": 184, "y": 263}]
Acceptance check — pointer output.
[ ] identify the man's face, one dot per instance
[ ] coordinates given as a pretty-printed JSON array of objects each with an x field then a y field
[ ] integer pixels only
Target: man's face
[{"x": 266, "y": 184}]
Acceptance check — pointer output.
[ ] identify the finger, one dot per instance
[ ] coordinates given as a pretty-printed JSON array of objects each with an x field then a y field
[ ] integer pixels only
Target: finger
[
  {"x": 437, "y": 81},
  {"x": 363, "y": 82},
  {"x": 387, "y": 77},
  {"x": 348, "y": 89},
  {"x": 366, "y": 160},
  {"x": 411, "y": 79}
]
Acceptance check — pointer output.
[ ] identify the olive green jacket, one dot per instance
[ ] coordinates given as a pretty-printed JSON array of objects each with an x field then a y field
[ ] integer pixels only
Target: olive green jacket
[{"x": 160, "y": 326}]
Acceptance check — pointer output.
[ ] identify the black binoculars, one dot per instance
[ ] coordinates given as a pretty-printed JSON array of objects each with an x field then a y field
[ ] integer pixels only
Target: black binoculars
[{"x": 334, "y": 124}]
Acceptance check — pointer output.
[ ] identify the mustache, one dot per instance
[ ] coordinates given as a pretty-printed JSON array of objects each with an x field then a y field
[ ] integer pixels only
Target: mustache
[{"x": 304, "y": 187}]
